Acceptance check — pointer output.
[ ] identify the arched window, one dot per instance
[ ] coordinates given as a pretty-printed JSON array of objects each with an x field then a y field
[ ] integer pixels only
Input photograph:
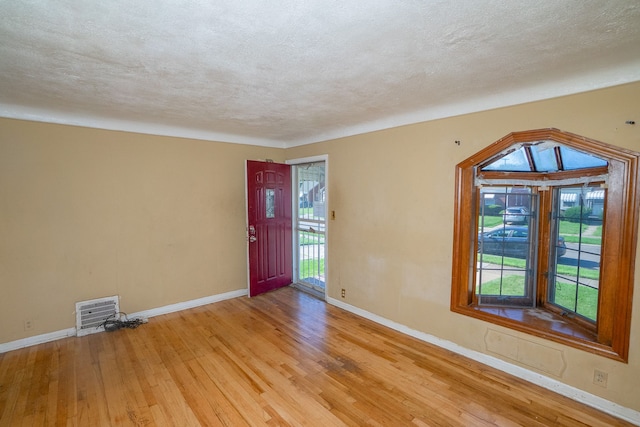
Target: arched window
[{"x": 545, "y": 237}]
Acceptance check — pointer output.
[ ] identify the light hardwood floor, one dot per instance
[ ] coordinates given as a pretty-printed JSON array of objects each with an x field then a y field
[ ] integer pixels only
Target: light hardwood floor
[{"x": 283, "y": 358}]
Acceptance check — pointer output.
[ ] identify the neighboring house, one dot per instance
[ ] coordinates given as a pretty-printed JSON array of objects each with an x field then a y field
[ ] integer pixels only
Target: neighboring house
[
  {"x": 595, "y": 201},
  {"x": 312, "y": 195},
  {"x": 591, "y": 199},
  {"x": 570, "y": 199}
]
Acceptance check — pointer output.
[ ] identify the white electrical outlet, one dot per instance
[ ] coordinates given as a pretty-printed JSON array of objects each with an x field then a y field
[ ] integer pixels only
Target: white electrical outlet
[{"x": 600, "y": 378}]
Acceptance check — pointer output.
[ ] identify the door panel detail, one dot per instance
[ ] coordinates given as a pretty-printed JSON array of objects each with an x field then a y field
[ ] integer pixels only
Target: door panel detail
[{"x": 269, "y": 226}]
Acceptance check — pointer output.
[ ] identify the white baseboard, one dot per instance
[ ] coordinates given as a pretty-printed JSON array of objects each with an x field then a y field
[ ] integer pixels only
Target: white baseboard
[
  {"x": 589, "y": 399},
  {"x": 70, "y": 332},
  {"x": 172, "y": 308},
  {"x": 37, "y": 339}
]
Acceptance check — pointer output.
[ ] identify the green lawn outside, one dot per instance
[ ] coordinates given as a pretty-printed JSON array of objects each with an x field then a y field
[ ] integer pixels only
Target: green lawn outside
[
  {"x": 585, "y": 240},
  {"x": 306, "y": 238},
  {"x": 309, "y": 268},
  {"x": 511, "y": 286},
  {"x": 307, "y": 213},
  {"x": 587, "y": 300},
  {"x": 567, "y": 227},
  {"x": 566, "y": 270},
  {"x": 492, "y": 221}
]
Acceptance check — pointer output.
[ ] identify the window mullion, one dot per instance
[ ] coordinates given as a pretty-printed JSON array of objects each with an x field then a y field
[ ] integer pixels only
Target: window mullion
[{"x": 544, "y": 243}]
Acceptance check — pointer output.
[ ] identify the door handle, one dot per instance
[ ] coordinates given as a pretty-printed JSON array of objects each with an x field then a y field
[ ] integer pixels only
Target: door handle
[
  {"x": 252, "y": 239},
  {"x": 252, "y": 234}
]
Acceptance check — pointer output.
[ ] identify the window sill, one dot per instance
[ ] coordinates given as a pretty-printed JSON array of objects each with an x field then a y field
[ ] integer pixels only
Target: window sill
[{"x": 541, "y": 323}]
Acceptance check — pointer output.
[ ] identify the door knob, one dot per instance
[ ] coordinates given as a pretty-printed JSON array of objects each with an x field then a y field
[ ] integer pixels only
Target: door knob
[{"x": 252, "y": 234}]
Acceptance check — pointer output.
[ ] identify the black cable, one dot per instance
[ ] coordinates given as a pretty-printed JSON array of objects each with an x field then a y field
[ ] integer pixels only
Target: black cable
[{"x": 111, "y": 325}]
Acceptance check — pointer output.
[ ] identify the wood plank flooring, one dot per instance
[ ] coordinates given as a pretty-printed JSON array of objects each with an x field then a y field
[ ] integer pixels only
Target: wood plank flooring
[{"x": 283, "y": 358}]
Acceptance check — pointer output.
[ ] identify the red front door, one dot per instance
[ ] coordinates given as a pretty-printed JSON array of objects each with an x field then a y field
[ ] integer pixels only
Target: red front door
[{"x": 269, "y": 226}]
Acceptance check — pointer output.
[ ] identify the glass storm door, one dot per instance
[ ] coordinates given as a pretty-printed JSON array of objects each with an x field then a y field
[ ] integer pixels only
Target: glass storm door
[{"x": 310, "y": 225}]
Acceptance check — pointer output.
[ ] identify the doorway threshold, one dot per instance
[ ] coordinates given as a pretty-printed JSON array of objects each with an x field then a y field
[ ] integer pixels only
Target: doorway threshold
[{"x": 306, "y": 289}]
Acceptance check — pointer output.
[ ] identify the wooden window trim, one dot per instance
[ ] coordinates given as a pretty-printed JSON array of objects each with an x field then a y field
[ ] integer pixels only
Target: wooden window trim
[
  {"x": 611, "y": 339},
  {"x": 540, "y": 176}
]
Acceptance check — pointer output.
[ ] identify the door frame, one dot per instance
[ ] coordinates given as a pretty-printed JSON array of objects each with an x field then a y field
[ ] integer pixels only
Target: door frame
[{"x": 294, "y": 215}]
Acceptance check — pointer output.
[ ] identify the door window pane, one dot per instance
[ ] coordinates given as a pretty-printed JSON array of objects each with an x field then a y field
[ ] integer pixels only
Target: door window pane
[{"x": 270, "y": 203}]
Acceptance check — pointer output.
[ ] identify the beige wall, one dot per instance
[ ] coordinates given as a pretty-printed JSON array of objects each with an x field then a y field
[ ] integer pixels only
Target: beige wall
[
  {"x": 87, "y": 213},
  {"x": 390, "y": 245}
]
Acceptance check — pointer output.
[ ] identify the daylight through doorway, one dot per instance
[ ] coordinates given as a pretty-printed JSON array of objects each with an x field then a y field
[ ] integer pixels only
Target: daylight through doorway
[{"x": 310, "y": 225}]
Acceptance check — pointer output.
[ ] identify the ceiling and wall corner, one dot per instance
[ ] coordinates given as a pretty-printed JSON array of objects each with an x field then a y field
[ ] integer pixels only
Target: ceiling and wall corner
[{"x": 289, "y": 73}]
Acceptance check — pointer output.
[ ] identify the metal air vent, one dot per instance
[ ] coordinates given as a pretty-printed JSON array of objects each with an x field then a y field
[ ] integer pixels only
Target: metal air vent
[{"x": 91, "y": 314}]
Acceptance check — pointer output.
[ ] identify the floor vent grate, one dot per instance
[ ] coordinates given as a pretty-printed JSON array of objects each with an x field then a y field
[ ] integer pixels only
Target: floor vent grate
[{"x": 91, "y": 314}]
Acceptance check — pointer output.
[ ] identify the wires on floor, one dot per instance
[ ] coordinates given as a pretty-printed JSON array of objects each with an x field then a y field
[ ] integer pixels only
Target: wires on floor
[{"x": 115, "y": 322}]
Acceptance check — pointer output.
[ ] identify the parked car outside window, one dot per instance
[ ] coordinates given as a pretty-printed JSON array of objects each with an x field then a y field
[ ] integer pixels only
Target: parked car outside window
[
  {"x": 512, "y": 241},
  {"x": 516, "y": 215}
]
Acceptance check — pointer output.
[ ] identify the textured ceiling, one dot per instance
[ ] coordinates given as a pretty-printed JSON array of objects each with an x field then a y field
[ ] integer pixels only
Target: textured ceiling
[{"x": 290, "y": 72}]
